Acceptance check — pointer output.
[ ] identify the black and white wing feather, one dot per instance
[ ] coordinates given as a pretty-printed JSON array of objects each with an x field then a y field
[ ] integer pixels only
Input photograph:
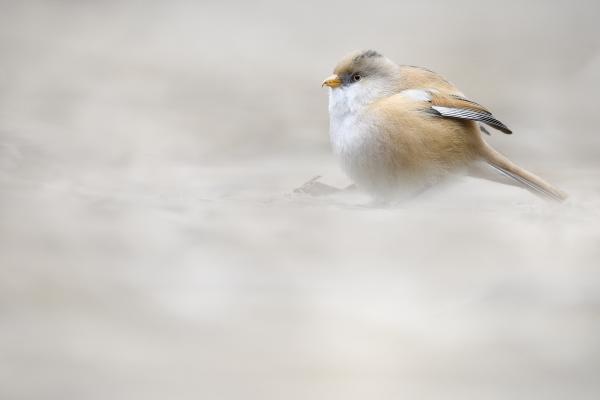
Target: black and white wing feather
[{"x": 455, "y": 106}]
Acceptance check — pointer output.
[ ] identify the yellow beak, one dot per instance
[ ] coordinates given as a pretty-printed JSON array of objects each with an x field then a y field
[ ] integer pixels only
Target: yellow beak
[{"x": 333, "y": 81}]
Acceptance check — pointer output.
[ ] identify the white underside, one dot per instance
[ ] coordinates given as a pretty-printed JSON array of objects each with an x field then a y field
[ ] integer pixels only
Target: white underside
[{"x": 356, "y": 141}]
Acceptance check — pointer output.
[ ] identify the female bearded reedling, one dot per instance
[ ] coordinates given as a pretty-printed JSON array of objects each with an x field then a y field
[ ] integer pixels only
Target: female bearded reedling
[{"x": 399, "y": 129}]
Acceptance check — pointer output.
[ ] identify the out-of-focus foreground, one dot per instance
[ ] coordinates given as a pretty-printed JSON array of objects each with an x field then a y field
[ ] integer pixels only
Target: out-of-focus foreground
[{"x": 151, "y": 246}]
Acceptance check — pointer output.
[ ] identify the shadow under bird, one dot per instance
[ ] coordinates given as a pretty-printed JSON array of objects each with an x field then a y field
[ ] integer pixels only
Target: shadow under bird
[{"x": 399, "y": 129}]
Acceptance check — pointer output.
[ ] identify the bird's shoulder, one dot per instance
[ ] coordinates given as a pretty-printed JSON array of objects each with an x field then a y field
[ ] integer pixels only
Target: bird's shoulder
[{"x": 413, "y": 77}]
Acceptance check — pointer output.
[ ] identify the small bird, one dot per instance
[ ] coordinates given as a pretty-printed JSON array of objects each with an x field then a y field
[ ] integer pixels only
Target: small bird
[{"x": 400, "y": 129}]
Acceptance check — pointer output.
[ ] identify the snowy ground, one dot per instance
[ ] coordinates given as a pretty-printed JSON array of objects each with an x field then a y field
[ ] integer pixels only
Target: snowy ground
[{"x": 152, "y": 247}]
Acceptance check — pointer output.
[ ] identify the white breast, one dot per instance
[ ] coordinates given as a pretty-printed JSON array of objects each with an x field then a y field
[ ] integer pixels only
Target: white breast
[
  {"x": 354, "y": 139},
  {"x": 348, "y": 118}
]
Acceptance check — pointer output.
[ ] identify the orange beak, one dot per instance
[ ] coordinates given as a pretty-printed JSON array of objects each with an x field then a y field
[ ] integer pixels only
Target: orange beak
[{"x": 333, "y": 81}]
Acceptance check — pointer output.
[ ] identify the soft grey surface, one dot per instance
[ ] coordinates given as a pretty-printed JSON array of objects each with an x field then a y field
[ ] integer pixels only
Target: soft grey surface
[{"x": 151, "y": 245}]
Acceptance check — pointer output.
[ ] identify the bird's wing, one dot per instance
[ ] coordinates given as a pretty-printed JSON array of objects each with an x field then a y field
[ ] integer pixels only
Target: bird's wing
[{"x": 448, "y": 105}]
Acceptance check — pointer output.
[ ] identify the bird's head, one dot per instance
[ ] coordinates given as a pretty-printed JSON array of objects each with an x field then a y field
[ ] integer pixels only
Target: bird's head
[
  {"x": 361, "y": 78},
  {"x": 362, "y": 67}
]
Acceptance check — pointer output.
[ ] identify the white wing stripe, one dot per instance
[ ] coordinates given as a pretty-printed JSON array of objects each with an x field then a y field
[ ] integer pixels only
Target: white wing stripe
[{"x": 416, "y": 94}]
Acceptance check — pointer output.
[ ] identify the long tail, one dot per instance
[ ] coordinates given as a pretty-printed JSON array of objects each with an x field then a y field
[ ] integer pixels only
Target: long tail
[{"x": 524, "y": 178}]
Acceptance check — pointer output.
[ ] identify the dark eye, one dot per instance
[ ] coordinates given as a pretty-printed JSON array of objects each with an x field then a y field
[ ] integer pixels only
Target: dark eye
[{"x": 356, "y": 77}]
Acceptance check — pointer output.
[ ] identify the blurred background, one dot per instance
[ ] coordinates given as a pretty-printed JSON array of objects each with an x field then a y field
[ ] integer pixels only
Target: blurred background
[{"x": 152, "y": 247}]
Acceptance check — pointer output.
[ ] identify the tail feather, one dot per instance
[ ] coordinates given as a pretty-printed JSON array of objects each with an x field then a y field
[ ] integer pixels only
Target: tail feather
[{"x": 526, "y": 179}]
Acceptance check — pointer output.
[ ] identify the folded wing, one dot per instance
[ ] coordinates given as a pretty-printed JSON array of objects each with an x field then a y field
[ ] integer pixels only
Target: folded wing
[{"x": 453, "y": 106}]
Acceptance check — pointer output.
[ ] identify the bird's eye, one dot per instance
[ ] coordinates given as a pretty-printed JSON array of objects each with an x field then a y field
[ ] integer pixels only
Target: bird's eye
[{"x": 356, "y": 77}]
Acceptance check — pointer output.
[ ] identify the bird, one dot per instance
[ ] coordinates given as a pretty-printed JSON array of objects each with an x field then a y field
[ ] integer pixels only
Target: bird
[{"x": 399, "y": 130}]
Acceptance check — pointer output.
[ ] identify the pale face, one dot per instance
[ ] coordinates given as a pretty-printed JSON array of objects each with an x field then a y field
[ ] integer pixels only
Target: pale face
[
  {"x": 351, "y": 96},
  {"x": 358, "y": 80}
]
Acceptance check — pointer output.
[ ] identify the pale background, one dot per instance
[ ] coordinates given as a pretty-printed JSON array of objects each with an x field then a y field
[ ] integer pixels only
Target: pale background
[{"x": 151, "y": 246}]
